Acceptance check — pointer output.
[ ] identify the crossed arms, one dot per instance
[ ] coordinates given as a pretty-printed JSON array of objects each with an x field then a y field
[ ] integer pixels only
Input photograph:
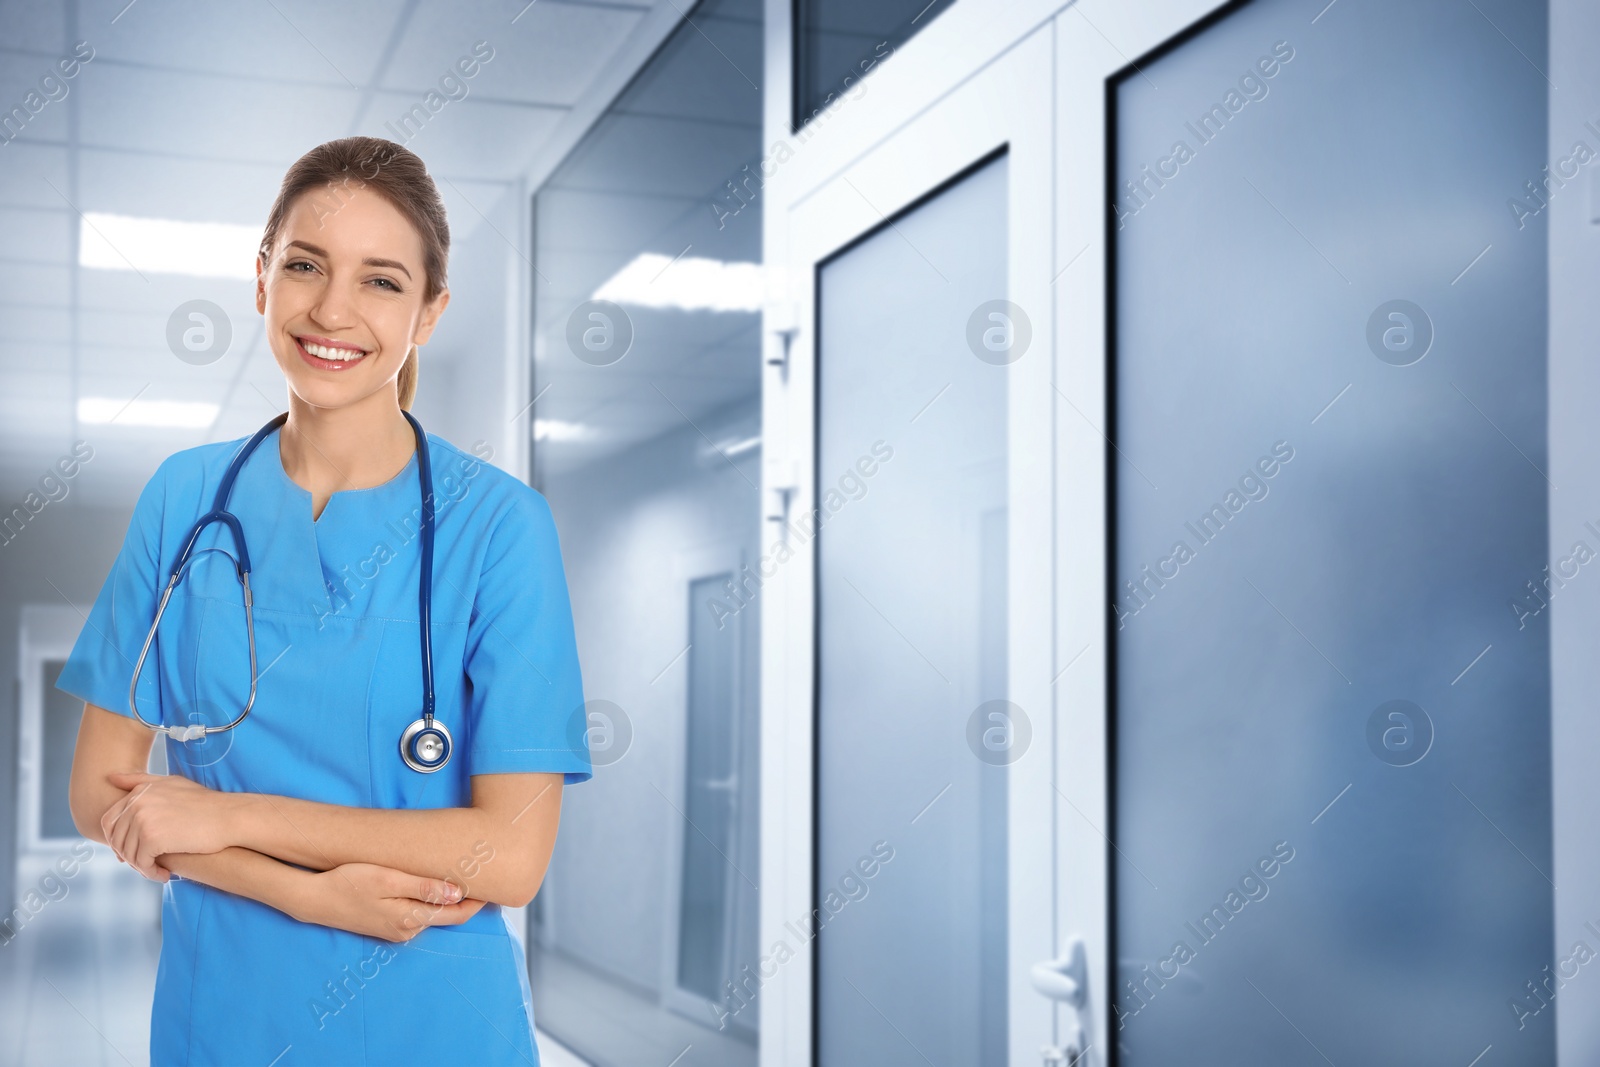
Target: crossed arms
[{"x": 380, "y": 872}]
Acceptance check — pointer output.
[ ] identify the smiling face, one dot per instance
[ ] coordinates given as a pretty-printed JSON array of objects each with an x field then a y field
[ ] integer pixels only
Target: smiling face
[{"x": 343, "y": 295}]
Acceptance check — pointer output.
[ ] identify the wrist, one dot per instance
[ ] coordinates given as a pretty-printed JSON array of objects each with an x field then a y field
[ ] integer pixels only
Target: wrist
[
  {"x": 303, "y": 896},
  {"x": 239, "y": 818}
]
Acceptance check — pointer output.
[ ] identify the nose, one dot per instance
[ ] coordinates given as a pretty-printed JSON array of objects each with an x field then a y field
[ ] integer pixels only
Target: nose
[{"x": 334, "y": 307}]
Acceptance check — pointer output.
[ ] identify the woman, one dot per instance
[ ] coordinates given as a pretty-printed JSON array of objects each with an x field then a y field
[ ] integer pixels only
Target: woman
[{"x": 336, "y": 902}]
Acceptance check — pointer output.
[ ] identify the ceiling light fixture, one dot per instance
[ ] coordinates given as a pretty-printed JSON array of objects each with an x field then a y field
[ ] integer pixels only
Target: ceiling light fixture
[
  {"x": 559, "y": 430},
  {"x": 167, "y": 246},
  {"x": 689, "y": 283},
  {"x": 178, "y": 414}
]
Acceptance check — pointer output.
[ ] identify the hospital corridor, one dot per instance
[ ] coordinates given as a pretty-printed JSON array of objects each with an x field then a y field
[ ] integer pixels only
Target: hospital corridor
[{"x": 799, "y": 533}]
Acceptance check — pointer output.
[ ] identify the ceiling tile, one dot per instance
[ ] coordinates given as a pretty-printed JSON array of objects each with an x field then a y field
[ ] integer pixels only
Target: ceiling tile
[
  {"x": 31, "y": 174},
  {"x": 549, "y": 56},
  {"x": 299, "y": 43},
  {"x": 469, "y": 138},
  {"x": 208, "y": 116},
  {"x": 27, "y": 24}
]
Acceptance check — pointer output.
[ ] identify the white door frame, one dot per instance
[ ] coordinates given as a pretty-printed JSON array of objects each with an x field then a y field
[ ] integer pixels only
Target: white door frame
[
  {"x": 1095, "y": 39},
  {"x": 841, "y": 183},
  {"x": 708, "y": 561},
  {"x": 48, "y": 632}
]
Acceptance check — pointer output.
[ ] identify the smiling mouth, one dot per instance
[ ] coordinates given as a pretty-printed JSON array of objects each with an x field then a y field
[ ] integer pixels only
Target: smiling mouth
[{"x": 330, "y": 357}]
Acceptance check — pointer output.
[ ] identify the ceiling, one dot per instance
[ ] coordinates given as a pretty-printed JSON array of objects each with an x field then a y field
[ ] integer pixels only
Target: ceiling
[
  {"x": 652, "y": 177},
  {"x": 193, "y": 112}
]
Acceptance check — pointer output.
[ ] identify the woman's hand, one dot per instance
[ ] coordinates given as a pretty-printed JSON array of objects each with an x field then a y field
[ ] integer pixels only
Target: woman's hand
[
  {"x": 375, "y": 901},
  {"x": 164, "y": 813}
]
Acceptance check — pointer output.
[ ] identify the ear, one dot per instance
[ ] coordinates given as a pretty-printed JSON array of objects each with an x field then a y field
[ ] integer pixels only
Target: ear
[
  {"x": 430, "y": 318},
  {"x": 261, "y": 285}
]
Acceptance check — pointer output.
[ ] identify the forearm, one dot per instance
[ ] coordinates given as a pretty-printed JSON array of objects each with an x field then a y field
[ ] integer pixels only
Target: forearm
[
  {"x": 248, "y": 873},
  {"x": 493, "y": 856},
  {"x": 361, "y": 899}
]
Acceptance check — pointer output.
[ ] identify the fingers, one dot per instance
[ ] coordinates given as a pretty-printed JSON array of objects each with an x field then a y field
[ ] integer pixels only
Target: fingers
[
  {"x": 436, "y": 891},
  {"x": 108, "y": 823},
  {"x": 122, "y": 833},
  {"x": 412, "y": 922},
  {"x": 130, "y": 852},
  {"x": 116, "y": 826},
  {"x": 142, "y": 855},
  {"x": 455, "y": 914}
]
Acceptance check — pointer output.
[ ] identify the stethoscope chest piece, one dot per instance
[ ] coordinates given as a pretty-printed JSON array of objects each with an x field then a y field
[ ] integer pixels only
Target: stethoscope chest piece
[{"x": 425, "y": 746}]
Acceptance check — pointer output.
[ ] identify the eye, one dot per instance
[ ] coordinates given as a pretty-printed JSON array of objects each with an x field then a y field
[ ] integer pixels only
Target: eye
[
  {"x": 292, "y": 264},
  {"x": 390, "y": 283}
]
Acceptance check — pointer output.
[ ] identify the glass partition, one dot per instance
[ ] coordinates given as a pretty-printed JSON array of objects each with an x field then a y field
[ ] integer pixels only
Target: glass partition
[
  {"x": 837, "y": 42},
  {"x": 647, "y": 442}
]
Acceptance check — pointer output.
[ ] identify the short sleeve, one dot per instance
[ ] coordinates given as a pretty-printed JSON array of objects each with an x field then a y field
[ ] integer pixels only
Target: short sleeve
[
  {"x": 525, "y": 708},
  {"x": 101, "y": 663}
]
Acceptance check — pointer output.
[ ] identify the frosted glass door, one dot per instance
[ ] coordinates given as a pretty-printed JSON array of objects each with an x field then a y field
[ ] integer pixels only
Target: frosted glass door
[
  {"x": 1331, "y": 725},
  {"x": 911, "y": 852}
]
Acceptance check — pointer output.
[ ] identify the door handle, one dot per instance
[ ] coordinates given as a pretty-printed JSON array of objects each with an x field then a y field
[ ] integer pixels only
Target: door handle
[{"x": 1065, "y": 979}]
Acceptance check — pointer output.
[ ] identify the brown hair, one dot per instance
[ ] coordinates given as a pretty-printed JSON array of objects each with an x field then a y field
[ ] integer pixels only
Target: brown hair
[{"x": 397, "y": 174}]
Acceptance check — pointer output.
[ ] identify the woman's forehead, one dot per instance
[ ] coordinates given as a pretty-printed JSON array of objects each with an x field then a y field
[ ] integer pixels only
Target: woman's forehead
[{"x": 351, "y": 220}]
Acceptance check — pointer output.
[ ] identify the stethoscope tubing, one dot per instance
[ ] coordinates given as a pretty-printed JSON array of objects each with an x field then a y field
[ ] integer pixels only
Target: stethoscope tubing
[{"x": 220, "y": 513}]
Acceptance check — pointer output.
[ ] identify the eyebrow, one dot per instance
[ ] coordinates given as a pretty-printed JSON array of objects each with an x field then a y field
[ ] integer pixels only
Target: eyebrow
[{"x": 370, "y": 261}]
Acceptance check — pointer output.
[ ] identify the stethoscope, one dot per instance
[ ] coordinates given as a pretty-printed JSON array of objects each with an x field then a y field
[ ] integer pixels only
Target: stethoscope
[{"x": 424, "y": 745}]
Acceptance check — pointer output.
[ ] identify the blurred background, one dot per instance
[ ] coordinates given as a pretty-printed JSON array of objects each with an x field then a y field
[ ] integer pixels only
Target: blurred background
[{"x": 1077, "y": 515}]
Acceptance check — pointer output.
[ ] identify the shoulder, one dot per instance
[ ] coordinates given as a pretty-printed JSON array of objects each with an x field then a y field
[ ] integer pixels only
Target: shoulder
[
  {"x": 490, "y": 497},
  {"x": 188, "y": 472}
]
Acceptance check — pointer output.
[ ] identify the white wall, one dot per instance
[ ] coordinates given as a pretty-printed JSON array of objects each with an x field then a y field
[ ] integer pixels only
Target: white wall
[{"x": 461, "y": 391}]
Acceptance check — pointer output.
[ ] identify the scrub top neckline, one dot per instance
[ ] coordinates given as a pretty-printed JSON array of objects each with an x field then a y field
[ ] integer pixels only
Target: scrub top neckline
[{"x": 300, "y": 490}]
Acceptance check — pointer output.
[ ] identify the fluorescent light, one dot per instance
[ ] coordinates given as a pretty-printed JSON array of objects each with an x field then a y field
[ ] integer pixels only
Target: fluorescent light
[
  {"x": 173, "y": 413},
  {"x": 689, "y": 283},
  {"x": 741, "y": 446},
  {"x": 557, "y": 430},
  {"x": 167, "y": 246}
]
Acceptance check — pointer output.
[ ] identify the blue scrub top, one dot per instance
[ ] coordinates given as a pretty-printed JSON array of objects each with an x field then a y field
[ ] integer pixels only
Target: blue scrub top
[{"x": 340, "y": 677}]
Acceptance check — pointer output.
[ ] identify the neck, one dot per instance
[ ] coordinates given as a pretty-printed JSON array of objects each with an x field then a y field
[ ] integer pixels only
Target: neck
[{"x": 359, "y": 446}]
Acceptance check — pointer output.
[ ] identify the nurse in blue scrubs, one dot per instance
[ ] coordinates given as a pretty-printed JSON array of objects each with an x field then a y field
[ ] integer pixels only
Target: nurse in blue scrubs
[{"x": 324, "y": 901}]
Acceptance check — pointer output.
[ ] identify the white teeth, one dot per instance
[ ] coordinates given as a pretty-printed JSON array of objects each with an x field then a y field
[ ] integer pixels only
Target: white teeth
[{"x": 342, "y": 355}]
